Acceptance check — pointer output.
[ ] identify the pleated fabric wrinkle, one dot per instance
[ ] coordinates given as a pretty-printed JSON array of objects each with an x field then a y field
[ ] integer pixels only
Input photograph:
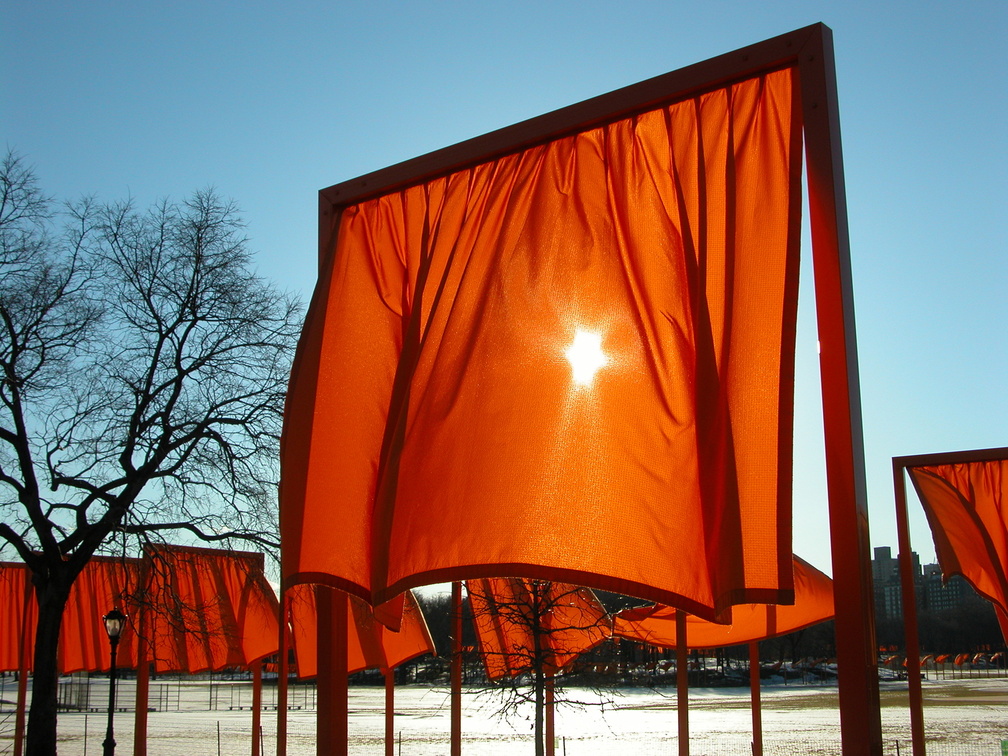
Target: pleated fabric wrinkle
[{"x": 434, "y": 430}]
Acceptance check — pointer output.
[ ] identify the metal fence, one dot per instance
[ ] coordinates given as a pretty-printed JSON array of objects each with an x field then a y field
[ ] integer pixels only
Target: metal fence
[{"x": 212, "y": 714}]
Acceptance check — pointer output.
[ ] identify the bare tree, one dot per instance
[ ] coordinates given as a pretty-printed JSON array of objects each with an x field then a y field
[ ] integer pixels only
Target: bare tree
[
  {"x": 528, "y": 631},
  {"x": 144, "y": 366}
]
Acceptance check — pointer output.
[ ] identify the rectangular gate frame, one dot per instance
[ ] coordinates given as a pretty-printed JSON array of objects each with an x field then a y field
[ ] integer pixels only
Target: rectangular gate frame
[
  {"x": 810, "y": 51},
  {"x": 907, "y": 590}
]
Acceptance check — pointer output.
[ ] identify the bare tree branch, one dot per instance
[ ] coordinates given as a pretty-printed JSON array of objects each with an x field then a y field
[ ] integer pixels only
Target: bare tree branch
[
  {"x": 249, "y": 536},
  {"x": 528, "y": 631},
  {"x": 143, "y": 368}
]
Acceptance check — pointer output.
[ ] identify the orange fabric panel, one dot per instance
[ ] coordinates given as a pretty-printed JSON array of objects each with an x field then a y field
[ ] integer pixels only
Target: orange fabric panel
[
  {"x": 370, "y": 644},
  {"x": 967, "y": 508},
  {"x": 750, "y": 622},
  {"x": 17, "y": 610},
  {"x": 104, "y": 584},
  {"x": 435, "y": 429},
  {"x": 210, "y": 609},
  {"x": 432, "y": 410},
  {"x": 510, "y": 614},
  {"x": 411, "y": 640}
]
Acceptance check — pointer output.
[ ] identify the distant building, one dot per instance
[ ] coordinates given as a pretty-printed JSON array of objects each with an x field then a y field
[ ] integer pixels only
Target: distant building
[
  {"x": 944, "y": 596},
  {"x": 888, "y": 587},
  {"x": 933, "y": 595}
]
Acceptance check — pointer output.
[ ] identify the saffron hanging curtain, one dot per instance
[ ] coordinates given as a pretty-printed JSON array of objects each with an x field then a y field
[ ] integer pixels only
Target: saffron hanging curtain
[
  {"x": 750, "y": 622},
  {"x": 209, "y": 609},
  {"x": 967, "y": 508},
  {"x": 17, "y": 615},
  {"x": 565, "y": 363},
  {"x": 524, "y": 626},
  {"x": 370, "y": 644},
  {"x": 104, "y": 584}
]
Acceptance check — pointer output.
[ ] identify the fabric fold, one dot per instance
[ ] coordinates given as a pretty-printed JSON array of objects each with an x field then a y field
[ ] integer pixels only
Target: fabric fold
[{"x": 434, "y": 429}]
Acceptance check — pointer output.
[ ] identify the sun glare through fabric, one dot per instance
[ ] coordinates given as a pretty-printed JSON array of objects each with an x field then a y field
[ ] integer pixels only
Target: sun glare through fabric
[{"x": 586, "y": 357}]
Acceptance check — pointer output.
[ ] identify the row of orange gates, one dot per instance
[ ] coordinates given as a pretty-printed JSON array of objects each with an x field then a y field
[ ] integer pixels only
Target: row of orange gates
[
  {"x": 959, "y": 660},
  {"x": 196, "y": 610},
  {"x": 192, "y": 610}
]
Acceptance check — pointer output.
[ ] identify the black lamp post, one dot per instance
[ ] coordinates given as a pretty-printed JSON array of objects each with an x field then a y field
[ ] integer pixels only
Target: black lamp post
[{"x": 114, "y": 621}]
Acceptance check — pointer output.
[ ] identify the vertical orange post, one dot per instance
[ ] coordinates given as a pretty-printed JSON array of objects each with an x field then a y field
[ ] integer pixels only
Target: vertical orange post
[
  {"x": 389, "y": 712},
  {"x": 550, "y": 721},
  {"x": 332, "y": 710},
  {"x": 282, "y": 674},
  {"x": 324, "y": 713},
  {"x": 860, "y": 713},
  {"x": 256, "y": 705},
  {"x": 22, "y": 702},
  {"x": 682, "y": 682},
  {"x": 24, "y": 652},
  {"x": 142, "y": 686},
  {"x": 341, "y": 619},
  {"x": 910, "y": 636},
  {"x": 754, "y": 696},
  {"x": 456, "y": 670}
]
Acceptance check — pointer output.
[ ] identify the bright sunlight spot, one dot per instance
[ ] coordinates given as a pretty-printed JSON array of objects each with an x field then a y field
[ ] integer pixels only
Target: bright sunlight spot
[{"x": 586, "y": 356}]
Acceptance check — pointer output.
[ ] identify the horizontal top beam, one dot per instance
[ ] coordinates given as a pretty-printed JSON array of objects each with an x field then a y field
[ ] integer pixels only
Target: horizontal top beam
[
  {"x": 951, "y": 458},
  {"x": 665, "y": 89}
]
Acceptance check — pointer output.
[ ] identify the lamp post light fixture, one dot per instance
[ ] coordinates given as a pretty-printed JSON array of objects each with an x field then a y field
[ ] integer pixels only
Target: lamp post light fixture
[{"x": 114, "y": 621}]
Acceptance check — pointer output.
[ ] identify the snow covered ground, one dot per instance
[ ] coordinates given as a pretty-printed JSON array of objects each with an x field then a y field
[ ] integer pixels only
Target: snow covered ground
[{"x": 962, "y": 718}]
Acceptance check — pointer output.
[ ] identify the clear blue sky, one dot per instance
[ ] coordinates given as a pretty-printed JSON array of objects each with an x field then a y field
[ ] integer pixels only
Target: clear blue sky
[{"x": 270, "y": 102}]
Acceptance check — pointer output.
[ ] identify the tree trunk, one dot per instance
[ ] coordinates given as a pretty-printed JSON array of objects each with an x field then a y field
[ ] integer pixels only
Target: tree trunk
[{"x": 52, "y": 597}]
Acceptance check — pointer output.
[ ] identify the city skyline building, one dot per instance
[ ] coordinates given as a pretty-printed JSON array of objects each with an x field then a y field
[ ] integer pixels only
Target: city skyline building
[{"x": 933, "y": 594}]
